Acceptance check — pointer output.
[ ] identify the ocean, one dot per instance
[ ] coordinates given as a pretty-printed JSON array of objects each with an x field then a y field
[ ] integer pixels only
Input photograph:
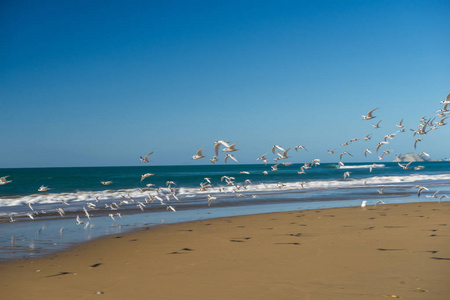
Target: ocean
[{"x": 30, "y": 224}]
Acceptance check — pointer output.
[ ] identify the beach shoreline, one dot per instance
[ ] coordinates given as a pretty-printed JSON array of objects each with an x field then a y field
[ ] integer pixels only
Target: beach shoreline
[{"x": 395, "y": 250}]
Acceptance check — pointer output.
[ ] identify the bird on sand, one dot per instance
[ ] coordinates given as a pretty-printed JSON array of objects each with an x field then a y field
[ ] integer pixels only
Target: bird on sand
[
  {"x": 369, "y": 114},
  {"x": 199, "y": 154},
  {"x": 364, "y": 203},
  {"x": 145, "y": 159}
]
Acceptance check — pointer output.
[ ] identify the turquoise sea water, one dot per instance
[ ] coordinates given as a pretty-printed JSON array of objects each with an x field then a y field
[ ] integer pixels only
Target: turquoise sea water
[{"x": 76, "y": 190}]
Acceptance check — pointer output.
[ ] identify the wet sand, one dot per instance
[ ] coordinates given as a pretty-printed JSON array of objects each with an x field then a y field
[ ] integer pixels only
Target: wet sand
[{"x": 390, "y": 251}]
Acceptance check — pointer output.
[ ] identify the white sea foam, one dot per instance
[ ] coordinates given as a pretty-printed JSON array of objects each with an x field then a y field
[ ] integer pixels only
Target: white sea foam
[
  {"x": 362, "y": 166},
  {"x": 187, "y": 193}
]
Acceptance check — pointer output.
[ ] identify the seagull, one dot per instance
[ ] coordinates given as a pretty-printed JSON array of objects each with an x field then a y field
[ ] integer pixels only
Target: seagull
[
  {"x": 79, "y": 222},
  {"x": 263, "y": 158},
  {"x": 300, "y": 147},
  {"x": 331, "y": 152},
  {"x": 368, "y": 137},
  {"x": 210, "y": 199},
  {"x": 11, "y": 217},
  {"x": 218, "y": 144},
  {"x": 60, "y": 211},
  {"x": 416, "y": 141},
  {"x": 381, "y": 144},
  {"x": 199, "y": 154},
  {"x": 421, "y": 188},
  {"x": 275, "y": 167},
  {"x": 112, "y": 217},
  {"x": 282, "y": 155},
  {"x": 244, "y": 172},
  {"x": 3, "y": 180},
  {"x": 343, "y": 153},
  {"x": 145, "y": 159},
  {"x": 433, "y": 196},
  {"x": 364, "y": 203},
  {"x": 365, "y": 152},
  {"x": 418, "y": 168},
  {"x": 405, "y": 167},
  {"x": 280, "y": 185},
  {"x": 230, "y": 156},
  {"x": 171, "y": 207},
  {"x": 369, "y": 114},
  {"x": 230, "y": 148},
  {"x": 43, "y": 188},
  {"x": 376, "y": 125},
  {"x": 381, "y": 192},
  {"x": 443, "y": 196},
  {"x": 399, "y": 125},
  {"x": 379, "y": 202},
  {"x": 214, "y": 159},
  {"x": 277, "y": 147},
  {"x": 30, "y": 216},
  {"x": 107, "y": 182},
  {"x": 143, "y": 176},
  {"x": 346, "y": 174},
  {"x": 447, "y": 100}
]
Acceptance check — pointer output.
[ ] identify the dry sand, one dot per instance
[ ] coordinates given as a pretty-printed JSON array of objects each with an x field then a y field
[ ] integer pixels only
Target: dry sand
[{"x": 390, "y": 251}]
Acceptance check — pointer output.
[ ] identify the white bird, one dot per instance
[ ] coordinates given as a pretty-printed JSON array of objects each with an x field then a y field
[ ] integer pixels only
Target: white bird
[
  {"x": 231, "y": 148},
  {"x": 379, "y": 202},
  {"x": 30, "y": 216},
  {"x": 143, "y": 176},
  {"x": 369, "y": 114},
  {"x": 331, "y": 152},
  {"x": 244, "y": 172},
  {"x": 300, "y": 147},
  {"x": 364, "y": 203},
  {"x": 106, "y": 182},
  {"x": 214, "y": 159},
  {"x": 218, "y": 144},
  {"x": 405, "y": 167},
  {"x": 381, "y": 192},
  {"x": 210, "y": 198},
  {"x": 43, "y": 188},
  {"x": 418, "y": 168},
  {"x": 280, "y": 185},
  {"x": 263, "y": 158},
  {"x": 112, "y": 217},
  {"x": 277, "y": 147},
  {"x": 399, "y": 125},
  {"x": 381, "y": 144},
  {"x": 171, "y": 207},
  {"x": 346, "y": 174},
  {"x": 230, "y": 156},
  {"x": 145, "y": 159},
  {"x": 368, "y": 137},
  {"x": 79, "y": 222},
  {"x": 282, "y": 155},
  {"x": 421, "y": 188},
  {"x": 275, "y": 167},
  {"x": 441, "y": 197},
  {"x": 376, "y": 125},
  {"x": 416, "y": 141},
  {"x": 11, "y": 218},
  {"x": 199, "y": 154},
  {"x": 367, "y": 151},
  {"x": 344, "y": 153},
  {"x": 3, "y": 180},
  {"x": 61, "y": 211},
  {"x": 433, "y": 196}
]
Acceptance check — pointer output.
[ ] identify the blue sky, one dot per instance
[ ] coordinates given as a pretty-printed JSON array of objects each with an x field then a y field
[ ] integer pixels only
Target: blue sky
[{"x": 96, "y": 83}]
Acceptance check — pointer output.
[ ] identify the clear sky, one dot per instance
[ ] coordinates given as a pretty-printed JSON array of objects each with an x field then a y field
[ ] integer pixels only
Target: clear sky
[{"x": 100, "y": 83}]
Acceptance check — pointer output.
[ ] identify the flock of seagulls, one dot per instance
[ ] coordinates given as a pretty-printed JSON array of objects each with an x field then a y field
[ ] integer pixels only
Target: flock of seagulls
[{"x": 165, "y": 194}]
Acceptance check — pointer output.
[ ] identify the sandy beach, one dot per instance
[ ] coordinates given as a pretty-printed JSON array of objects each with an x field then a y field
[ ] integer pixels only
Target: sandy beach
[{"x": 389, "y": 251}]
